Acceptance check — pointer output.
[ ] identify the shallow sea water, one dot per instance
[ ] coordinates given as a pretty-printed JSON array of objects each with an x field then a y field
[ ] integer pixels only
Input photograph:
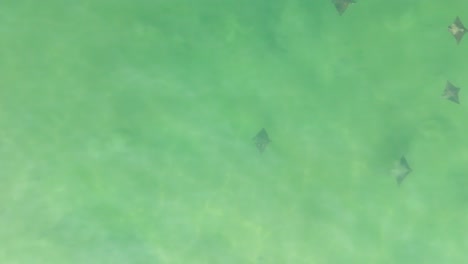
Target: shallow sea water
[{"x": 126, "y": 132}]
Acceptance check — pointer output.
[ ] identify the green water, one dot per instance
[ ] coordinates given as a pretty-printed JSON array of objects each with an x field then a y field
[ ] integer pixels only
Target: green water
[{"x": 126, "y": 127}]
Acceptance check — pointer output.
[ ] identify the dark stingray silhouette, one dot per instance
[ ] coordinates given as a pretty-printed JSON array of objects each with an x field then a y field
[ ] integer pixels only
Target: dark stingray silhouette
[
  {"x": 451, "y": 92},
  {"x": 457, "y": 29},
  {"x": 342, "y": 5},
  {"x": 261, "y": 140},
  {"x": 401, "y": 170}
]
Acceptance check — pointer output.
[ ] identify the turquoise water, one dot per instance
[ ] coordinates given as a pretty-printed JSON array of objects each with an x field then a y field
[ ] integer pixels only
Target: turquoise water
[{"x": 126, "y": 132}]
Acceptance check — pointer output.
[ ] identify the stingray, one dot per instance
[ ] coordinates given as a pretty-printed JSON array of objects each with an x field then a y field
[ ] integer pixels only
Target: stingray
[
  {"x": 451, "y": 92},
  {"x": 342, "y": 5},
  {"x": 457, "y": 29},
  {"x": 401, "y": 170},
  {"x": 261, "y": 140}
]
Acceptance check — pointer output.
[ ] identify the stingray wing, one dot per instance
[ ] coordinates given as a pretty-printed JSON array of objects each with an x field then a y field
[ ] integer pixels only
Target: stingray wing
[
  {"x": 458, "y": 22},
  {"x": 450, "y": 89},
  {"x": 459, "y": 35},
  {"x": 403, "y": 171},
  {"x": 449, "y": 85},
  {"x": 263, "y": 135},
  {"x": 451, "y": 92},
  {"x": 454, "y": 98},
  {"x": 341, "y": 6},
  {"x": 404, "y": 164},
  {"x": 401, "y": 178}
]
